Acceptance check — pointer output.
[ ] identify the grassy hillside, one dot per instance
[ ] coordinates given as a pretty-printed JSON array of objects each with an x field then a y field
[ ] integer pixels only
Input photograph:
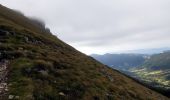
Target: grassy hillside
[{"x": 42, "y": 67}]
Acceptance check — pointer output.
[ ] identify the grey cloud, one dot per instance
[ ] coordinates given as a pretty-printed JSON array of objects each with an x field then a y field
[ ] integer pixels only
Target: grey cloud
[{"x": 111, "y": 25}]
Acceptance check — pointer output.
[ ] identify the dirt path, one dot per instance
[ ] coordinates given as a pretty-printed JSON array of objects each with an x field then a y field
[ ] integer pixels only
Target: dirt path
[{"x": 3, "y": 79}]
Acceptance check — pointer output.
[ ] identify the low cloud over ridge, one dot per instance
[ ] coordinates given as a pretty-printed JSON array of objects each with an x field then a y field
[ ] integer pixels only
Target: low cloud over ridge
[{"x": 100, "y": 26}]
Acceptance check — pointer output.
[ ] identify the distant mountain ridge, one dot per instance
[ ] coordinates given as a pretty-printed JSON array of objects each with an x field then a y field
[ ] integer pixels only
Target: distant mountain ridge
[
  {"x": 121, "y": 61},
  {"x": 149, "y": 51},
  {"x": 158, "y": 61}
]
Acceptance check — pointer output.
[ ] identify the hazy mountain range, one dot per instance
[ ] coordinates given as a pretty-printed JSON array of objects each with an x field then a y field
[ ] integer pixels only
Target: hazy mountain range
[
  {"x": 149, "y": 51},
  {"x": 121, "y": 61}
]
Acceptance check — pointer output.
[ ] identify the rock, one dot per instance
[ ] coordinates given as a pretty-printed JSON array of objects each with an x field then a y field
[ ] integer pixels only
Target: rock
[
  {"x": 26, "y": 39},
  {"x": 7, "y": 33},
  {"x": 110, "y": 78},
  {"x": 20, "y": 48},
  {"x": 10, "y": 97},
  {"x": 6, "y": 89},
  {"x": 55, "y": 81},
  {"x": 61, "y": 94},
  {"x": 43, "y": 72}
]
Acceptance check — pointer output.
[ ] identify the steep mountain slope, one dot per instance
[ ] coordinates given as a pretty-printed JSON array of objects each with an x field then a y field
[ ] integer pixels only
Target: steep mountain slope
[
  {"x": 42, "y": 67},
  {"x": 121, "y": 61}
]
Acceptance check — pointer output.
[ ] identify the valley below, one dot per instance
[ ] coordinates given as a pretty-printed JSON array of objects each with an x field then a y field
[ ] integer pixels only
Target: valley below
[
  {"x": 159, "y": 77},
  {"x": 151, "y": 71}
]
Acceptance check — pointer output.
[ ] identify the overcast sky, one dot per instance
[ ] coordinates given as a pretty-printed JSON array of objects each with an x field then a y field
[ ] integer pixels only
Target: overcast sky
[{"x": 103, "y": 26}]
